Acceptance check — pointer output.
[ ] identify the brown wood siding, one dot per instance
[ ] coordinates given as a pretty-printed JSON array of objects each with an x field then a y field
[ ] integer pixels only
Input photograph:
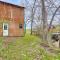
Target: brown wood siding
[{"x": 13, "y": 16}]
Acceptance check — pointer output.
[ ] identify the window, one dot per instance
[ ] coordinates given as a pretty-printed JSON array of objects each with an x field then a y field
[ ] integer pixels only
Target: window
[
  {"x": 5, "y": 27},
  {"x": 20, "y": 26}
]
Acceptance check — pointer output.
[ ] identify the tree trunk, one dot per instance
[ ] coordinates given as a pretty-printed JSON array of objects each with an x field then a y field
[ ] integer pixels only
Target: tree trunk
[
  {"x": 44, "y": 19},
  {"x": 32, "y": 16}
]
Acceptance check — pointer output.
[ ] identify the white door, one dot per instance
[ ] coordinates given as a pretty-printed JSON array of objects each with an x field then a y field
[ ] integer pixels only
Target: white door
[{"x": 5, "y": 29}]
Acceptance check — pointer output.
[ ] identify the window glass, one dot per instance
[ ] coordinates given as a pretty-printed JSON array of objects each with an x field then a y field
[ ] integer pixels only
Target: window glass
[
  {"x": 5, "y": 27},
  {"x": 20, "y": 26}
]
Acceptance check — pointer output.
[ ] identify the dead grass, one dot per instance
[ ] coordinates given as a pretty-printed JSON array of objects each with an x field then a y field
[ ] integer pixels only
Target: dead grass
[{"x": 24, "y": 48}]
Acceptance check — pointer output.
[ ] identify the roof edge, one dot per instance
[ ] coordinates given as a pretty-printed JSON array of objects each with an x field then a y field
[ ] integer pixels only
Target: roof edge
[{"x": 12, "y": 4}]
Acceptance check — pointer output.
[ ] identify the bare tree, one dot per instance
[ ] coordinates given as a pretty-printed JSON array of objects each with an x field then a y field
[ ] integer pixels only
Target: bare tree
[
  {"x": 32, "y": 16},
  {"x": 47, "y": 6},
  {"x": 32, "y": 11},
  {"x": 44, "y": 19},
  {"x": 53, "y": 17}
]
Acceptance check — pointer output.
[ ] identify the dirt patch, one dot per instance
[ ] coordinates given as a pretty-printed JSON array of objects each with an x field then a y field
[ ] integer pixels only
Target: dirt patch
[
  {"x": 48, "y": 49},
  {"x": 1, "y": 58},
  {"x": 7, "y": 40}
]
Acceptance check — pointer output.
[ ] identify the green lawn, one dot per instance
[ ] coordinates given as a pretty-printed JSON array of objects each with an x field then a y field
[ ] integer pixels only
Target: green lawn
[{"x": 25, "y": 48}]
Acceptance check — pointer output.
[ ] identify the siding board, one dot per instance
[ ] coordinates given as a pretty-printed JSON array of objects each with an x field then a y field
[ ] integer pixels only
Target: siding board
[{"x": 14, "y": 16}]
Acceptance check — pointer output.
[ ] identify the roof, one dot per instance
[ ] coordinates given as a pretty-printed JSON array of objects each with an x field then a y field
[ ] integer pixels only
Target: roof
[{"x": 12, "y": 4}]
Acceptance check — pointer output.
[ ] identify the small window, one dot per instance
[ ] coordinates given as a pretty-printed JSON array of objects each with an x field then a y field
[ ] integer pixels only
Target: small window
[
  {"x": 5, "y": 27},
  {"x": 20, "y": 26}
]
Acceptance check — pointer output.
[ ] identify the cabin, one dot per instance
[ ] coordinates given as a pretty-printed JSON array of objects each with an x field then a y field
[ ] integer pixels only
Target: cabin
[{"x": 11, "y": 19}]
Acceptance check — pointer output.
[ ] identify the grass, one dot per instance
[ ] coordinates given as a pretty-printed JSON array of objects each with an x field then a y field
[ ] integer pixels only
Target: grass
[{"x": 25, "y": 48}]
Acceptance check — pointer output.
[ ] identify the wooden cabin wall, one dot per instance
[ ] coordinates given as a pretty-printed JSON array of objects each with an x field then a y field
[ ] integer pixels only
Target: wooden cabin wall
[{"x": 13, "y": 16}]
